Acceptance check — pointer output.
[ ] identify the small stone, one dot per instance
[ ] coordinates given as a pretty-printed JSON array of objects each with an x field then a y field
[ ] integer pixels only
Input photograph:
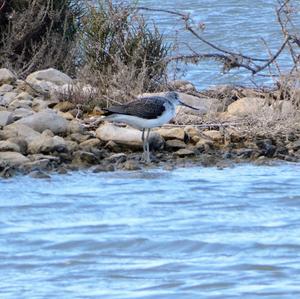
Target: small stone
[
  {"x": 103, "y": 168},
  {"x": 8, "y": 98},
  {"x": 64, "y": 106},
  {"x": 117, "y": 158},
  {"x": 6, "y": 88},
  {"x": 131, "y": 165},
  {"x": 75, "y": 127},
  {"x": 184, "y": 152},
  {"x": 172, "y": 133},
  {"x": 66, "y": 115},
  {"x": 294, "y": 145},
  {"x": 79, "y": 137},
  {"x": 192, "y": 131},
  {"x": 13, "y": 158},
  {"x": 5, "y": 118},
  {"x": 83, "y": 157},
  {"x": 25, "y": 96},
  {"x": 89, "y": 144},
  {"x": 20, "y": 104},
  {"x": 38, "y": 174},
  {"x": 175, "y": 144},
  {"x": 42, "y": 164},
  {"x": 214, "y": 135},
  {"x": 6, "y": 76},
  {"x": 8, "y": 146},
  {"x": 62, "y": 170}
]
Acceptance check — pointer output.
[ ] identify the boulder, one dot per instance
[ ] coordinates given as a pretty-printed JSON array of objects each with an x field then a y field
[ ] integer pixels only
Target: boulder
[
  {"x": 13, "y": 158},
  {"x": 44, "y": 120},
  {"x": 247, "y": 107},
  {"x": 127, "y": 137},
  {"x": 20, "y": 130},
  {"x": 6, "y": 77},
  {"x": 5, "y": 118},
  {"x": 49, "y": 75}
]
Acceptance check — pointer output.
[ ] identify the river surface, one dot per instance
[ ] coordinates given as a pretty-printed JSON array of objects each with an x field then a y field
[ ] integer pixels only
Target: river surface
[
  {"x": 241, "y": 26},
  {"x": 187, "y": 233}
]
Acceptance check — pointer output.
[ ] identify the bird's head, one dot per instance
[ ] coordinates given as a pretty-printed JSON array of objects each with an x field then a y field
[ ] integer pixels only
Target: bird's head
[{"x": 173, "y": 96}]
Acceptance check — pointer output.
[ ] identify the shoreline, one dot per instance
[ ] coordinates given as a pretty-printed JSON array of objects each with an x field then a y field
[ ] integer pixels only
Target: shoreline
[{"x": 40, "y": 134}]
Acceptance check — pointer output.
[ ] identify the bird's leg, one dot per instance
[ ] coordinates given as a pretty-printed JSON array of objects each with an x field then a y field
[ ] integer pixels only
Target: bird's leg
[
  {"x": 147, "y": 147},
  {"x": 144, "y": 143}
]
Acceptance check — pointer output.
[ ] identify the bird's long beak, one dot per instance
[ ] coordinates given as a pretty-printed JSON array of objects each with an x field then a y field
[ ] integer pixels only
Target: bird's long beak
[{"x": 186, "y": 105}]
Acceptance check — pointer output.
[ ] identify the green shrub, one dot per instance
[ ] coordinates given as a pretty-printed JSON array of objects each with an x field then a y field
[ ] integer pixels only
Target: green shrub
[{"x": 118, "y": 44}]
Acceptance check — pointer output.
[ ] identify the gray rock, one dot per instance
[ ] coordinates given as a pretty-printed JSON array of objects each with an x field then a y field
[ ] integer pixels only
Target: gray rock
[
  {"x": 13, "y": 158},
  {"x": 72, "y": 146},
  {"x": 42, "y": 164},
  {"x": 49, "y": 75},
  {"x": 20, "y": 130},
  {"x": 20, "y": 113},
  {"x": 21, "y": 142},
  {"x": 132, "y": 165},
  {"x": 38, "y": 174},
  {"x": 85, "y": 158},
  {"x": 40, "y": 104},
  {"x": 184, "y": 152},
  {"x": 5, "y": 118},
  {"x": 117, "y": 158},
  {"x": 75, "y": 127},
  {"x": 6, "y": 77},
  {"x": 248, "y": 106},
  {"x": 20, "y": 104},
  {"x": 8, "y": 98},
  {"x": 175, "y": 144},
  {"x": 6, "y": 88},
  {"x": 127, "y": 137},
  {"x": 103, "y": 168},
  {"x": 47, "y": 144},
  {"x": 89, "y": 144},
  {"x": 8, "y": 146},
  {"x": 44, "y": 120},
  {"x": 172, "y": 133},
  {"x": 79, "y": 137}
]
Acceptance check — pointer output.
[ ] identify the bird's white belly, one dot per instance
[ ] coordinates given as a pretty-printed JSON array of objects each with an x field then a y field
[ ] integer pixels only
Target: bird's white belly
[{"x": 143, "y": 123}]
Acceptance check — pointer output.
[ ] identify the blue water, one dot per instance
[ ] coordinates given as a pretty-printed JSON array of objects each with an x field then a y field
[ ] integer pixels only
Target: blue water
[
  {"x": 235, "y": 25},
  {"x": 187, "y": 233}
]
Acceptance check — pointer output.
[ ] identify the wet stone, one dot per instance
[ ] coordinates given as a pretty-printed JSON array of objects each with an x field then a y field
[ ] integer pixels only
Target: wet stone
[
  {"x": 37, "y": 174},
  {"x": 131, "y": 165},
  {"x": 185, "y": 152}
]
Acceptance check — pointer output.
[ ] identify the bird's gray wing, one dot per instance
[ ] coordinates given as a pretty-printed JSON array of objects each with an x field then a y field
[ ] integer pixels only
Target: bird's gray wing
[{"x": 148, "y": 108}]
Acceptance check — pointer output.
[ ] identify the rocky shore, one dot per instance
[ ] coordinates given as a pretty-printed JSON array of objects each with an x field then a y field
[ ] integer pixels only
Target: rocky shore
[{"x": 40, "y": 134}]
